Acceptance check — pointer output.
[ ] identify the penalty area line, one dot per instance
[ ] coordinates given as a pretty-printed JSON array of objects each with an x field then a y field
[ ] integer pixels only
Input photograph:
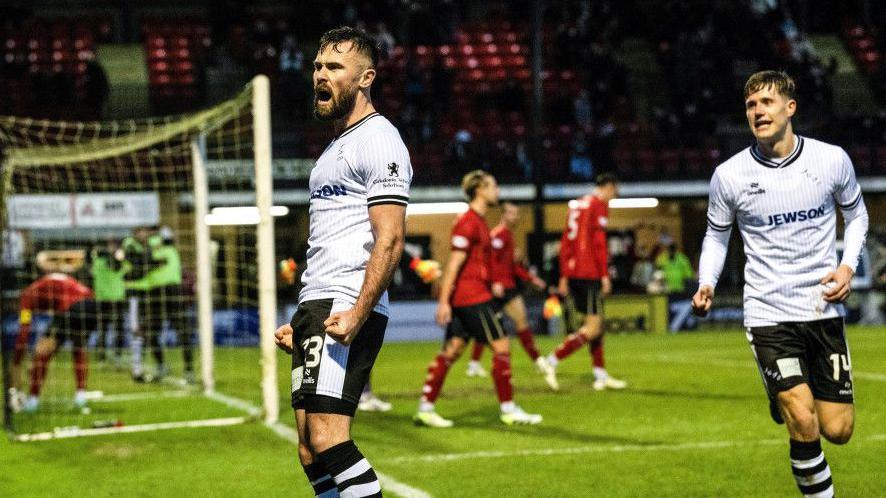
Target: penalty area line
[
  {"x": 286, "y": 432},
  {"x": 624, "y": 448},
  {"x": 387, "y": 482}
]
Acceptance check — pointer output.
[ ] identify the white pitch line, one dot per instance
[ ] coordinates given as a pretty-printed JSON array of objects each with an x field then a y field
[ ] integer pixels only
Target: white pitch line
[
  {"x": 65, "y": 433},
  {"x": 870, "y": 376},
  {"x": 449, "y": 457},
  {"x": 289, "y": 434},
  {"x": 672, "y": 358},
  {"x": 387, "y": 482},
  {"x": 114, "y": 398},
  {"x": 235, "y": 403}
]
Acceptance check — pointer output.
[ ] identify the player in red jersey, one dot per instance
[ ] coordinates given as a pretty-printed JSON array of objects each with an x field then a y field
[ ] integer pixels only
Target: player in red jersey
[
  {"x": 584, "y": 276},
  {"x": 73, "y": 307},
  {"x": 465, "y": 307},
  {"x": 506, "y": 268}
]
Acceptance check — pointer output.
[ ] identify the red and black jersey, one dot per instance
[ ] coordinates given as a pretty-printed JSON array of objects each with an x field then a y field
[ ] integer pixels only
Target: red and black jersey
[
  {"x": 471, "y": 235},
  {"x": 583, "y": 251},
  {"x": 55, "y": 292},
  {"x": 504, "y": 267}
]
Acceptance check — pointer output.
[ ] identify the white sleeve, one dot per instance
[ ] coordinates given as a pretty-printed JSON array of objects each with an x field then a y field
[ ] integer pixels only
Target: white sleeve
[
  {"x": 847, "y": 195},
  {"x": 721, "y": 215},
  {"x": 384, "y": 164}
]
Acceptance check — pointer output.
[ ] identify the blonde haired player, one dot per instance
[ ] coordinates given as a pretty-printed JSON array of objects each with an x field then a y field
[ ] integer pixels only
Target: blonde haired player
[{"x": 465, "y": 308}]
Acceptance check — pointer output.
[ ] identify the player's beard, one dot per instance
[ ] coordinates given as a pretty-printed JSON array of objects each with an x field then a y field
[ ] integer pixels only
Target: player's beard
[{"x": 339, "y": 108}]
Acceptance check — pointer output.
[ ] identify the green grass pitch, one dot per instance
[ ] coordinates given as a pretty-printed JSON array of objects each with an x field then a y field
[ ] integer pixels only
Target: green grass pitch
[{"x": 694, "y": 422}]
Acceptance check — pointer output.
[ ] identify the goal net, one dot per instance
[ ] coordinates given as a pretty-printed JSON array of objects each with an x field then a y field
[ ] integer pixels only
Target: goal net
[{"x": 131, "y": 249}]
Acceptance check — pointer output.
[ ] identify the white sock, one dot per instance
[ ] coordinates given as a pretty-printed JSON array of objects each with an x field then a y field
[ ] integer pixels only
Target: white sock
[
  {"x": 136, "y": 347},
  {"x": 552, "y": 359},
  {"x": 508, "y": 407},
  {"x": 600, "y": 373},
  {"x": 425, "y": 406}
]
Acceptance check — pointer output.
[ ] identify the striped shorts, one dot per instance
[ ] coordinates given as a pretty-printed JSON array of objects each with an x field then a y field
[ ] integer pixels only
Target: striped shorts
[{"x": 328, "y": 377}]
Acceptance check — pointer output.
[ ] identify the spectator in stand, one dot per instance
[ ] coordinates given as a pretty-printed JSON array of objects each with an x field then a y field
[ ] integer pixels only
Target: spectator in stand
[
  {"x": 414, "y": 84},
  {"x": 460, "y": 151},
  {"x": 96, "y": 89},
  {"x": 292, "y": 59},
  {"x": 384, "y": 39},
  {"x": 441, "y": 85},
  {"x": 580, "y": 166},
  {"x": 584, "y": 118}
]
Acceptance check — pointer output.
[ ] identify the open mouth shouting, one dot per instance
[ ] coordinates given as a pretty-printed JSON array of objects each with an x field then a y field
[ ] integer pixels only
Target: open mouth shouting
[{"x": 322, "y": 95}]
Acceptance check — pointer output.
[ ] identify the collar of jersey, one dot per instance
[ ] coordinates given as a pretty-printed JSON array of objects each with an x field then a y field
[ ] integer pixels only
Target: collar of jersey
[
  {"x": 769, "y": 163},
  {"x": 358, "y": 123}
]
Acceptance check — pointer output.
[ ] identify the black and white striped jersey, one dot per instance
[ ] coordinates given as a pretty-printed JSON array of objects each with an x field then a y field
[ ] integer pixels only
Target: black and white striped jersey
[
  {"x": 366, "y": 165},
  {"x": 786, "y": 214}
]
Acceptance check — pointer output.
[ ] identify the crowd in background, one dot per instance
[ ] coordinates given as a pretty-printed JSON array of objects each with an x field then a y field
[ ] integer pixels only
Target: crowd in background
[{"x": 597, "y": 105}]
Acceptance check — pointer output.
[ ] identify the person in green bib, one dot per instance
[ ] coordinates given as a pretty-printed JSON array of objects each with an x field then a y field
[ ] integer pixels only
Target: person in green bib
[
  {"x": 108, "y": 270},
  {"x": 136, "y": 252},
  {"x": 676, "y": 267},
  {"x": 161, "y": 299},
  {"x": 165, "y": 299}
]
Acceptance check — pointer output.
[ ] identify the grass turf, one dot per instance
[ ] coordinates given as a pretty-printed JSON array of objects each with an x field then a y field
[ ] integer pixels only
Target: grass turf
[{"x": 694, "y": 422}]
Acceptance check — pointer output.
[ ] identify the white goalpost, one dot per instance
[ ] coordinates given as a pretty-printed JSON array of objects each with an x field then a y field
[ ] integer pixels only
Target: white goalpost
[{"x": 133, "y": 199}]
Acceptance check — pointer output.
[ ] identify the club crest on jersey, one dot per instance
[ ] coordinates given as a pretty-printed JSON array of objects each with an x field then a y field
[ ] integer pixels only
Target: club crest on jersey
[
  {"x": 795, "y": 216},
  {"x": 393, "y": 170},
  {"x": 755, "y": 189},
  {"x": 812, "y": 177},
  {"x": 327, "y": 191}
]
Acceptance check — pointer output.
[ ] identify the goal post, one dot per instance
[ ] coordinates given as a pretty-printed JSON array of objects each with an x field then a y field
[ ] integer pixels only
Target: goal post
[
  {"x": 204, "y": 265},
  {"x": 267, "y": 291},
  {"x": 134, "y": 202}
]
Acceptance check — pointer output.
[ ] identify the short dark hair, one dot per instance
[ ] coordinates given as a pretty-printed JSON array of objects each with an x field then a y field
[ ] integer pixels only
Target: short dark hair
[
  {"x": 779, "y": 80},
  {"x": 472, "y": 181},
  {"x": 360, "y": 39},
  {"x": 604, "y": 179}
]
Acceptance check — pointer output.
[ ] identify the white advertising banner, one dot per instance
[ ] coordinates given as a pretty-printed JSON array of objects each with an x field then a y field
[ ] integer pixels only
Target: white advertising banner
[{"x": 60, "y": 211}]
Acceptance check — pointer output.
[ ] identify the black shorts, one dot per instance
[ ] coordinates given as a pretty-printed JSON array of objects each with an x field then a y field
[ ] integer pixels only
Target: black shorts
[
  {"x": 509, "y": 295},
  {"x": 813, "y": 353},
  {"x": 76, "y": 323},
  {"x": 587, "y": 296},
  {"x": 328, "y": 377},
  {"x": 479, "y": 322}
]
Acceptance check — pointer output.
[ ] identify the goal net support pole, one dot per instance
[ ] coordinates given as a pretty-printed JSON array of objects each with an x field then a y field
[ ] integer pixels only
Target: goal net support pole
[{"x": 203, "y": 263}]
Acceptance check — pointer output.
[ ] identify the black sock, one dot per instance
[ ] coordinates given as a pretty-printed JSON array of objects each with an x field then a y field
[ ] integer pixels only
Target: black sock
[
  {"x": 321, "y": 481},
  {"x": 352, "y": 473},
  {"x": 810, "y": 468}
]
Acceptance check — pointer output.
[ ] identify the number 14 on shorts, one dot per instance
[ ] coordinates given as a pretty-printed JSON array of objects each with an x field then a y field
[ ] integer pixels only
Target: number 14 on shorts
[{"x": 838, "y": 361}]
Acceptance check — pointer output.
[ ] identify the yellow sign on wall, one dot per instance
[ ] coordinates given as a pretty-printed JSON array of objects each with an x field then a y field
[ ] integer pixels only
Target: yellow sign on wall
[{"x": 637, "y": 313}]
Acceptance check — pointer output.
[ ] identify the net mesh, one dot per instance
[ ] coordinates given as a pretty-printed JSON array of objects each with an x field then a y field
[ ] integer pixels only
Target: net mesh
[{"x": 110, "y": 206}]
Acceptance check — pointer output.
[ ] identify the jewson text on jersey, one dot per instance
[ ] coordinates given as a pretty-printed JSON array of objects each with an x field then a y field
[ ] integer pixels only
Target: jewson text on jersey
[
  {"x": 794, "y": 216},
  {"x": 329, "y": 191}
]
